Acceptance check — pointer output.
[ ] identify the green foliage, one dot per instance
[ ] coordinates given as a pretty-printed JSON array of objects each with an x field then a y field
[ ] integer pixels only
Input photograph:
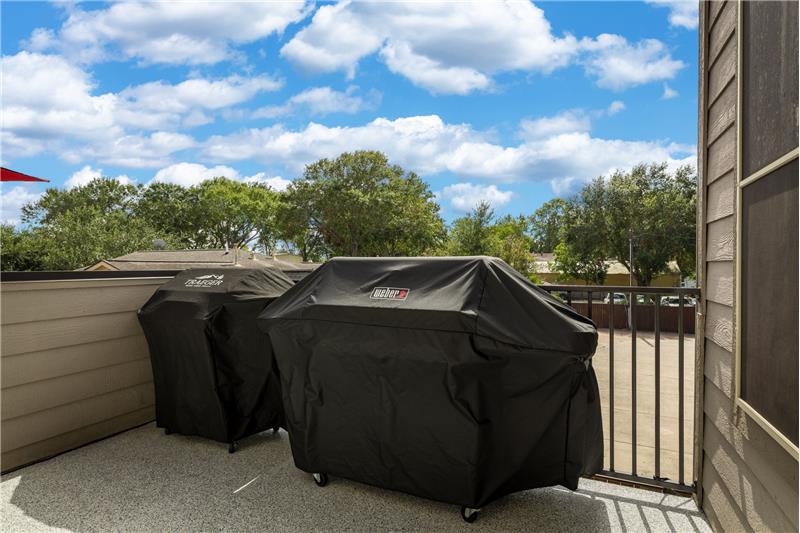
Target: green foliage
[
  {"x": 172, "y": 210},
  {"x": 582, "y": 250},
  {"x": 656, "y": 211},
  {"x": 78, "y": 238},
  {"x": 297, "y": 224},
  {"x": 98, "y": 196},
  {"x": 472, "y": 233},
  {"x": 359, "y": 204},
  {"x": 232, "y": 213},
  {"x": 546, "y": 224},
  {"x": 478, "y": 233},
  {"x": 363, "y": 206},
  {"x": 20, "y": 249}
]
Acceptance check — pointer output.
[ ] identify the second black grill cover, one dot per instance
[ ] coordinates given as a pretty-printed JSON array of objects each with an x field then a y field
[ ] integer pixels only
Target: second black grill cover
[
  {"x": 450, "y": 378},
  {"x": 213, "y": 369}
]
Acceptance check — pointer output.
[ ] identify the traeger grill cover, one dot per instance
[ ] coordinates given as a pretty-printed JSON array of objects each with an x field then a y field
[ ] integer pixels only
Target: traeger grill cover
[
  {"x": 451, "y": 378},
  {"x": 213, "y": 368}
]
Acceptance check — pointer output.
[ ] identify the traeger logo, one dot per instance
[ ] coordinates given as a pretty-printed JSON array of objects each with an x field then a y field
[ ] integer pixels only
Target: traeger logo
[
  {"x": 209, "y": 280},
  {"x": 389, "y": 293}
]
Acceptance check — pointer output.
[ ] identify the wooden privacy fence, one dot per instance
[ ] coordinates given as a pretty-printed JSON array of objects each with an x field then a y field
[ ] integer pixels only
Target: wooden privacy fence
[{"x": 645, "y": 316}]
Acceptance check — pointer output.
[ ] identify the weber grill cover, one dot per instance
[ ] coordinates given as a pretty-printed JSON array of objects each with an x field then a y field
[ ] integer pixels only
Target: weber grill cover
[
  {"x": 213, "y": 369},
  {"x": 450, "y": 378}
]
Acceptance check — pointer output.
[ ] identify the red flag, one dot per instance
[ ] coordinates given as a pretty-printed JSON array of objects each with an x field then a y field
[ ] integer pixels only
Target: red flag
[{"x": 10, "y": 175}]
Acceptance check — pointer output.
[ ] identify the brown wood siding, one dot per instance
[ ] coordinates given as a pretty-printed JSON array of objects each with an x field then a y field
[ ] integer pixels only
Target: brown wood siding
[
  {"x": 75, "y": 364},
  {"x": 769, "y": 83},
  {"x": 747, "y": 480}
]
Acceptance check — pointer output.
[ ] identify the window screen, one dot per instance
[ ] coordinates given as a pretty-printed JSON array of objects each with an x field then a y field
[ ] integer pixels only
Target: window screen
[{"x": 769, "y": 301}]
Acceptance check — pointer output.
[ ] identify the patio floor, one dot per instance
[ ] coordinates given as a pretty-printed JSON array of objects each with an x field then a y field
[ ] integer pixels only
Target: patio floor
[{"x": 143, "y": 480}]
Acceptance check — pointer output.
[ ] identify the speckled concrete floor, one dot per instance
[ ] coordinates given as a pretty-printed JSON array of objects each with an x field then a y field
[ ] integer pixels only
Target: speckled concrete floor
[{"x": 143, "y": 480}]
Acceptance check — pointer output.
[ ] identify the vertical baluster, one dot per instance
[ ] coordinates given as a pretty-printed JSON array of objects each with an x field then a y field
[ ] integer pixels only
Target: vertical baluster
[
  {"x": 680, "y": 386},
  {"x": 611, "y": 379},
  {"x": 589, "y": 303},
  {"x": 633, "y": 381},
  {"x": 657, "y": 308}
]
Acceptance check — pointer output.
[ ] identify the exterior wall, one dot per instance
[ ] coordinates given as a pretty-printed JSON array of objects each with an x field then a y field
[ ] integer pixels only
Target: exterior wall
[
  {"x": 75, "y": 364},
  {"x": 747, "y": 480}
]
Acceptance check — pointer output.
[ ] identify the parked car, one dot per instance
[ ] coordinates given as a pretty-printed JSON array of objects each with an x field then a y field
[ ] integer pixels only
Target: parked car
[
  {"x": 674, "y": 301},
  {"x": 619, "y": 298}
]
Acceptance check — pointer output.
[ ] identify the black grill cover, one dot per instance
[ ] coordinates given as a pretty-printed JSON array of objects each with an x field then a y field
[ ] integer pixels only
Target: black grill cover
[
  {"x": 451, "y": 378},
  {"x": 213, "y": 368}
]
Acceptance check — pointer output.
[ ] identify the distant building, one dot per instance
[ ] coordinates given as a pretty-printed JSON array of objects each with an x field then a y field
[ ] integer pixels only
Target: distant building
[
  {"x": 295, "y": 269},
  {"x": 617, "y": 273}
]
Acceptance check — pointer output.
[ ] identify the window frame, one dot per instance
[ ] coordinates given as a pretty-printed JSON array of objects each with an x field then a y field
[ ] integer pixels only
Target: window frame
[{"x": 741, "y": 183}]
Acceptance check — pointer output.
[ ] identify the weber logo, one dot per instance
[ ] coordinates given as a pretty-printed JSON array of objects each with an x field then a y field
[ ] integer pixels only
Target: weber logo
[
  {"x": 209, "y": 280},
  {"x": 389, "y": 293}
]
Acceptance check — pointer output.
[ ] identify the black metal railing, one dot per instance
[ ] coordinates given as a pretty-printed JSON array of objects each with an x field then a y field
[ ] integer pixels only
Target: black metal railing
[{"x": 638, "y": 309}]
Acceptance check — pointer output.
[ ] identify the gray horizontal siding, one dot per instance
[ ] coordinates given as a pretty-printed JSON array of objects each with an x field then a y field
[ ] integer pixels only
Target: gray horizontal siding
[{"x": 75, "y": 364}]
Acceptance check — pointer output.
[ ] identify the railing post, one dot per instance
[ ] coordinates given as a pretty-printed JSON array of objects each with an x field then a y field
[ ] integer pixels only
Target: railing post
[
  {"x": 680, "y": 387},
  {"x": 633, "y": 382},
  {"x": 611, "y": 380},
  {"x": 657, "y": 319},
  {"x": 589, "y": 303}
]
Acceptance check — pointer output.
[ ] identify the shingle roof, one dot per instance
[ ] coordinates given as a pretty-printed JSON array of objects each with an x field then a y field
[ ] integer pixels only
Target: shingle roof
[{"x": 183, "y": 259}]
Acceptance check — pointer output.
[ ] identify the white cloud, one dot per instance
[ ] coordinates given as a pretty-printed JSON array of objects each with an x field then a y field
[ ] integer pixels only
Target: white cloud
[
  {"x": 11, "y": 202},
  {"x": 275, "y": 183},
  {"x": 669, "y": 93},
  {"x": 322, "y": 101},
  {"x": 431, "y": 74},
  {"x": 161, "y": 105},
  {"x": 439, "y": 46},
  {"x": 87, "y": 174},
  {"x": 188, "y": 174},
  {"x": 465, "y": 196},
  {"x": 566, "y": 121},
  {"x": 684, "y": 13},
  {"x": 615, "y": 107},
  {"x": 167, "y": 32},
  {"x": 618, "y": 64},
  {"x": 419, "y": 141},
  {"x": 428, "y": 145},
  {"x": 76, "y": 124}
]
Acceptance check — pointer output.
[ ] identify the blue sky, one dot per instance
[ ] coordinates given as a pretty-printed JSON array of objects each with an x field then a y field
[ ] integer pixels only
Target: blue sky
[{"x": 513, "y": 103}]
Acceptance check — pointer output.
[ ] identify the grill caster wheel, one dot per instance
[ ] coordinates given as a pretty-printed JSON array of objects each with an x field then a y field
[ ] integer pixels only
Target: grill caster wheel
[
  {"x": 233, "y": 446},
  {"x": 320, "y": 479},
  {"x": 167, "y": 431},
  {"x": 469, "y": 514}
]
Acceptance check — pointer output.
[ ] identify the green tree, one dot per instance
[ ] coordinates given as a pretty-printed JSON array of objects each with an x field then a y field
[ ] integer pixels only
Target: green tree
[
  {"x": 98, "y": 196},
  {"x": 546, "y": 223},
  {"x": 472, "y": 234},
  {"x": 364, "y": 206},
  {"x": 652, "y": 210},
  {"x": 297, "y": 224},
  {"x": 236, "y": 214},
  {"x": 173, "y": 211},
  {"x": 582, "y": 252},
  {"x": 20, "y": 249},
  {"x": 82, "y": 237},
  {"x": 512, "y": 243}
]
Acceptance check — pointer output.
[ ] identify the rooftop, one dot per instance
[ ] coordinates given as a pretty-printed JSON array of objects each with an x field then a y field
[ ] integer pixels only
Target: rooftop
[
  {"x": 183, "y": 259},
  {"x": 144, "y": 480}
]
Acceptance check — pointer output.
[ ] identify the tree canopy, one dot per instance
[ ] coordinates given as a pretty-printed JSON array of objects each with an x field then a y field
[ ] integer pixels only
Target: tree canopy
[
  {"x": 363, "y": 206},
  {"x": 360, "y": 204}
]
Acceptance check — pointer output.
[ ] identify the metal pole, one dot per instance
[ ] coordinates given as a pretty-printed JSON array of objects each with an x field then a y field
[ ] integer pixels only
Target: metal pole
[{"x": 630, "y": 260}]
